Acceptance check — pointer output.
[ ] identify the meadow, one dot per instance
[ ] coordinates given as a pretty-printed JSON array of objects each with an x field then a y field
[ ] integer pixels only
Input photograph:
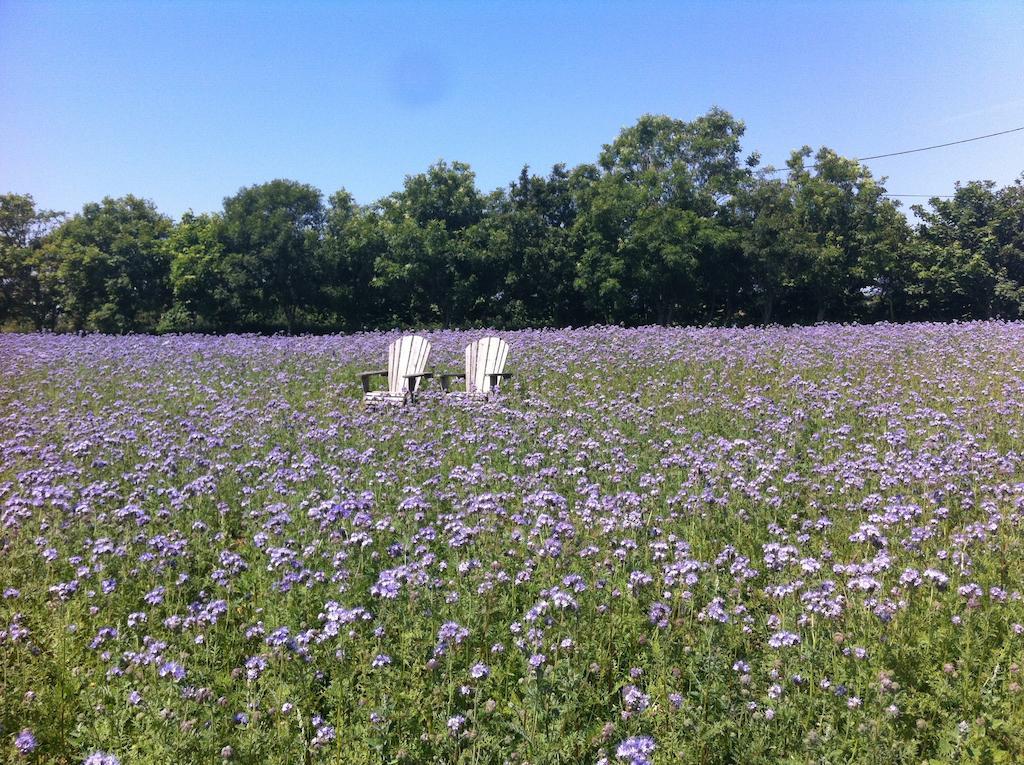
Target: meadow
[{"x": 655, "y": 546}]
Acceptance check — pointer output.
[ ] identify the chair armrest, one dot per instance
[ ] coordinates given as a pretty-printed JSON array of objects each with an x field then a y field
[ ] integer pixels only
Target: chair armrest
[
  {"x": 447, "y": 377},
  {"x": 364, "y": 377},
  {"x": 414, "y": 380},
  {"x": 495, "y": 376}
]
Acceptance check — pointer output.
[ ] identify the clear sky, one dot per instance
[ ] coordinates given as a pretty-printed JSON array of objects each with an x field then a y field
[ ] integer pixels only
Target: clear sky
[{"x": 185, "y": 102}]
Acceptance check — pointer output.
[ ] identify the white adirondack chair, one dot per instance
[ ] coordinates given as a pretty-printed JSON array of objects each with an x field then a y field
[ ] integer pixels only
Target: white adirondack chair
[
  {"x": 407, "y": 363},
  {"x": 485, "y": 367}
]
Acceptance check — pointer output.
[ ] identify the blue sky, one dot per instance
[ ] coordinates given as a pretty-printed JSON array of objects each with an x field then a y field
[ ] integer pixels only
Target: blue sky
[{"x": 185, "y": 102}]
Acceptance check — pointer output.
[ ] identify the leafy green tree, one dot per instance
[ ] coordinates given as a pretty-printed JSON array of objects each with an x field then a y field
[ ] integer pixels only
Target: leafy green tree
[
  {"x": 109, "y": 266},
  {"x": 1009, "y": 231},
  {"x": 667, "y": 225},
  {"x": 532, "y": 263},
  {"x": 203, "y": 298},
  {"x": 970, "y": 258},
  {"x": 271, "y": 235},
  {"x": 772, "y": 242},
  {"x": 425, "y": 273},
  {"x": 823, "y": 241},
  {"x": 23, "y": 228},
  {"x": 841, "y": 208},
  {"x": 884, "y": 268},
  {"x": 823, "y": 206},
  {"x": 353, "y": 241},
  {"x": 723, "y": 278},
  {"x": 651, "y": 216}
]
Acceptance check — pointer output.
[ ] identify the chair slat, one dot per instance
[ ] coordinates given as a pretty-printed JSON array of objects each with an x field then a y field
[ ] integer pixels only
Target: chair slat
[
  {"x": 484, "y": 357},
  {"x": 406, "y": 356},
  {"x": 471, "y": 366},
  {"x": 421, "y": 357},
  {"x": 393, "y": 352},
  {"x": 484, "y": 364},
  {"x": 502, "y": 356},
  {"x": 409, "y": 347}
]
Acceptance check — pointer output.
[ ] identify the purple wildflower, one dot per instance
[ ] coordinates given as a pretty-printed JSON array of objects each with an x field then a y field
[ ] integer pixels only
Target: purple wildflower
[
  {"x": 637, "y": 750},
  {"x": 101, "y": 758},
  {"x": 455, "y": 724},
  {"x": 173, "y": 670},
  {"x": 25, "y": 742},
  {"x": 479, "y": 671}
]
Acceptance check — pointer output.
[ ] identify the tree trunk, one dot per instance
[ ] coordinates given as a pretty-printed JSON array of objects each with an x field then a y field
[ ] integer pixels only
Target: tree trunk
[{"x": 289, "y": 319}]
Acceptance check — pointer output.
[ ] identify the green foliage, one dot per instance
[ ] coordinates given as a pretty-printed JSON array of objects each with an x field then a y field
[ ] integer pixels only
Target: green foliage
[
  {"x": 970, "y": 258},
  {"x": 530, "y": 244},
  {"x": 770, "y": 242},
  {"x": 841, "y": 216},
  {"x": 271, "y": 234},
  {"x": 203, "y": 298},
  {"x": 22, "y": 231},
  {"x": 651, "y": 217},
  {"x": 425, "y": 273},
  {"x": 353, "y": 242},
  {"x": 110, "y": 268},
  {"x": 668, "y": 225}
]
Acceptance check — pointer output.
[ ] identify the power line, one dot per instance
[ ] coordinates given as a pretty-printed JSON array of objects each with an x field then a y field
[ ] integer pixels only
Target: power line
[
  {"x": 911, "y": 151},
  {"x": 940, "y": 145},
  {"x": 925, "y": 196}
]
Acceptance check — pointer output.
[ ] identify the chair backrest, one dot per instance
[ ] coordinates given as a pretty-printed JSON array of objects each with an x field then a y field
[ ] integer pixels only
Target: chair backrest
[
  {"x": 406, "y": 356},
  {"x": 484, "y": 357}
]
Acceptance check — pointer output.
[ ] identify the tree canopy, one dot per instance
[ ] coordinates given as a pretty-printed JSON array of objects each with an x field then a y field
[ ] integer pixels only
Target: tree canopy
[{"x": 671, "y": 223}]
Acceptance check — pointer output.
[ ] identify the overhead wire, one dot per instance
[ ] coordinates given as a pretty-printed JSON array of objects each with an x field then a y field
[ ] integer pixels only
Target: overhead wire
[
  {"x": 925, "y": 196},
  {"x": 939, "y": 145},
  {"x": 910, "y": 151}
]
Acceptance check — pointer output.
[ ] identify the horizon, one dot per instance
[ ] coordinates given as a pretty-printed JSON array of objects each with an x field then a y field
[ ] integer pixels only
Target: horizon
[{"x": 184, "y": 104}]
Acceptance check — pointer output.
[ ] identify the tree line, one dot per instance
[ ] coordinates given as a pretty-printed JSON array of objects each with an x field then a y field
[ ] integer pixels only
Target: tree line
[{"x": 671, "y": 224}]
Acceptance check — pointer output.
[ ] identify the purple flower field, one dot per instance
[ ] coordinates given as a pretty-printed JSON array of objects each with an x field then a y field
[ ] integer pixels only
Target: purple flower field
[{"x": 655, "y": 546}]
